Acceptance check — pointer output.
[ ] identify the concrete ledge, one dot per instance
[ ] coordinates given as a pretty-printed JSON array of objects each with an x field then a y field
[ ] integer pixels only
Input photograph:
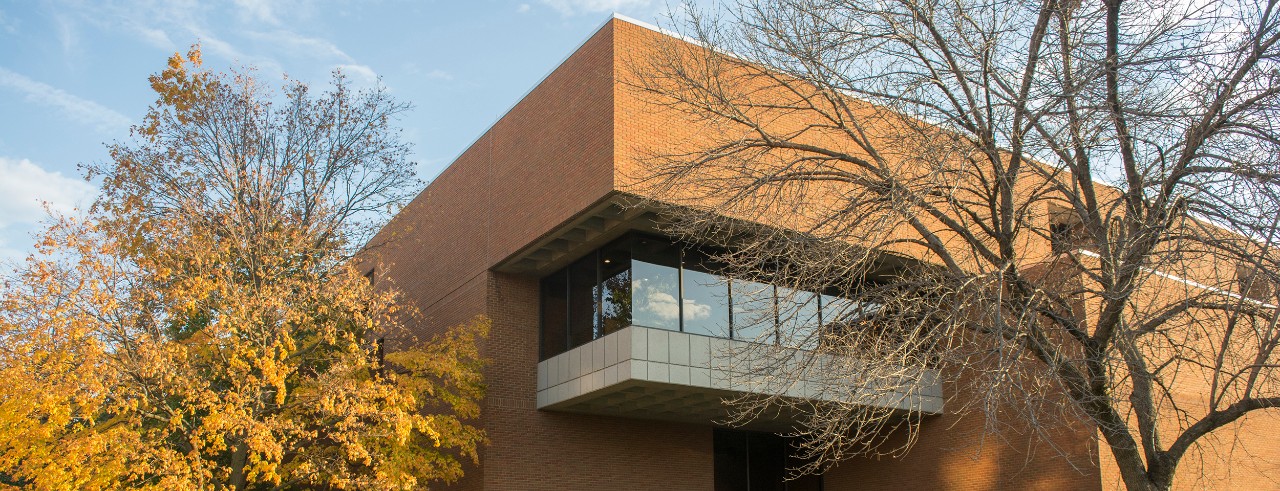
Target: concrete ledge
[{"x": 659, "y": 374}]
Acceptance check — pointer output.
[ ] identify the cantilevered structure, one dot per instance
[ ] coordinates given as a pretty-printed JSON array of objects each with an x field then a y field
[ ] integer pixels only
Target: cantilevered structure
[{"x": 611, "y": 349}]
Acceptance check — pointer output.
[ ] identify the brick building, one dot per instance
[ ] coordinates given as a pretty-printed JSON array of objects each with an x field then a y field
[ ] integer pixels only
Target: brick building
[{"x": 528, "y": 226}]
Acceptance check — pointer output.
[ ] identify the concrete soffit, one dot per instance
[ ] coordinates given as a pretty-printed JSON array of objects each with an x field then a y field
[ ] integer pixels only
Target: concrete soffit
[{"x": 607, "y": 219}]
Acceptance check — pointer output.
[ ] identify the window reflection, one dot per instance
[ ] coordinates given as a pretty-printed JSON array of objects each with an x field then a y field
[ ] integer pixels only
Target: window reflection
[
  {"x": 798, "y": 321},
  {"x": 755, "y": 314},
  {"x": 655, "y": 283},
  {"x": 650, "y": 281},
  {"x": 656, "y": 290},
  {"x": 706, "y": 298},
  {"x": 615, "y": 287}
]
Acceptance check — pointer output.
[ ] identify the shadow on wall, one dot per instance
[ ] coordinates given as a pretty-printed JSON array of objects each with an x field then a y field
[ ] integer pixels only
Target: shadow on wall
[{"x": 955, "y": 453}]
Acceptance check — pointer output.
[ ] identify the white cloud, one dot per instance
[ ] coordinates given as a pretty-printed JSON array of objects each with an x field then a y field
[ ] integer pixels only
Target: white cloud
[
  {"x": 259, "y": 10},
  {"x": 211, "y": 45},
  {"x": 696, "y": 311},
  {"x": 417, "y": 71},
  {"x": 439, "y": 74},
  {"x": 215, "y": 45},
  {"x": 360, "y": 74},
  {"x": 298, "y": 45},
  {"x": 67, "y": 33},
  {"x": 25, "y": 188},
  {"x": 524, "y": 7},
  {"x": 154, "y": 37},
  {"x": 7, "y": 24},
  {"x": 661, "y": 304},
  {"x": 80, "y": 110},
  {"x": 573, "y": 7}
]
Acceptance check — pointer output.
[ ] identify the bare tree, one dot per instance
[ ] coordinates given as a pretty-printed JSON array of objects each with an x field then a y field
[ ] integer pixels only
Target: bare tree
[{"x": 1067, "y": 209}]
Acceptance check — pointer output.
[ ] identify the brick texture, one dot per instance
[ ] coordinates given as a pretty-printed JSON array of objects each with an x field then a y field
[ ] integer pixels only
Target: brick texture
[{"x": 574, "y": 140}]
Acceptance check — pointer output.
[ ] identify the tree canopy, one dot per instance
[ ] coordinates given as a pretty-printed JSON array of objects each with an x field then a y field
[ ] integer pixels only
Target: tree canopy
[{"x": 203, "y": 324}]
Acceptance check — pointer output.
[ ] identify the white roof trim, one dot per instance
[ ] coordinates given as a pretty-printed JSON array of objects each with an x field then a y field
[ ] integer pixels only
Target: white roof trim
[{"x": 1185, "y": 281}]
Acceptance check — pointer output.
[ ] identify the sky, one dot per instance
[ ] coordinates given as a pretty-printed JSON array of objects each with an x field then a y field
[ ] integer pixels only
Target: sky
[{"x": 73, "y": 74}]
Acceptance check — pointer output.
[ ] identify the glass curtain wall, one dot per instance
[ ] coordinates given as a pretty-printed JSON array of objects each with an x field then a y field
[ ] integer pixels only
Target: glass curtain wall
[
  {"x": 705, "y": 296},
  {"x": 650, "y": 281},
  {"x": 655, "y": 282}
]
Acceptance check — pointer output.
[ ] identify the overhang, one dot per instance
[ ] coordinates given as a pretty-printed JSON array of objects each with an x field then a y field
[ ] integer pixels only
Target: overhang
[
  {"x": 651, "y": 373},
  {"x": 600, "y": 223}
]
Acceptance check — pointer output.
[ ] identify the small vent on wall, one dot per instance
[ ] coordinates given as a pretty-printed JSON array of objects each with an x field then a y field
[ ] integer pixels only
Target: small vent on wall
[
  {"x": 1252, "y": 284},
  {"x": 1066, "y": 232}
]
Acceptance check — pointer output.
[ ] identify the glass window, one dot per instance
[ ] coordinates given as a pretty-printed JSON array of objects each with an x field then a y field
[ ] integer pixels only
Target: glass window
[
  {"x": 615, "y": 286},
  {"x": 755, "y": 461},
  {"x": 555, "y": 306},
  {"x": 798, "y": 322},
  {"x": 649, "y": 281},
  {"x": 840, "y": 314},
  {"x": 836, "y": 310},
  {"x": 754, "y": 313},
  {"x": 655, "y": 283},
  {"x": 706, "y": 297},
  {"x": 582, "y": 301},
  {"x": 767, "y": 454},
  {"x": 731, "y": 460}
]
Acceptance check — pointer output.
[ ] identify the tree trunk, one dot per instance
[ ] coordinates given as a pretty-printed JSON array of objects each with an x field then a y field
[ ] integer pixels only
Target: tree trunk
[{"x": 239, "y": 455}]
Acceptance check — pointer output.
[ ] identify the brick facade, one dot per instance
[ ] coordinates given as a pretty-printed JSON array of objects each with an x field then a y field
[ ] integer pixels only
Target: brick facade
[{"x": 570, "y": 143}]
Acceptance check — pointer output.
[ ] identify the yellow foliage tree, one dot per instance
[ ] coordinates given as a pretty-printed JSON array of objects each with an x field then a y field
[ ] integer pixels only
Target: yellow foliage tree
[{"x": 204, "y": 327}]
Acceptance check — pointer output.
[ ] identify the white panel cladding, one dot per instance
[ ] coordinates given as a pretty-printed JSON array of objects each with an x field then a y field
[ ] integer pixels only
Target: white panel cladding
[{"x": 632, "y": 360}]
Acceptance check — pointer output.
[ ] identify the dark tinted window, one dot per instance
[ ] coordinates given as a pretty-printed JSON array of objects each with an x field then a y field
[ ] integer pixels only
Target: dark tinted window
[
  {"x": 650, "y": 281},
  {"x": 798, "y": 321},
  {"x": 768, "y": 455},
  {"x": 554, "y": 319},
  {"x": 751, "y": 461},
  {"x": 582, "y": 301},
  {"x": 731, "y": 460}
]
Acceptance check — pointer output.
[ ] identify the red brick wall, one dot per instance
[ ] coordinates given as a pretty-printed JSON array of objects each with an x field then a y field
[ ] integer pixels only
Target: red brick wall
[
  {"x": 556, "y": 451},
  {"x": 956, "y": 453},
  {"x": 545, "y": 161},
  {"x": 951, "y": 453},
  {"x": 548, "y": 159}
]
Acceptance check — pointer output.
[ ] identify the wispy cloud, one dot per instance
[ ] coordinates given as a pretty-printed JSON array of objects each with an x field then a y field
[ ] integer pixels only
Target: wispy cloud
[
  {"x": 77, "y": 109},
  {"x": 433, "y": 74},
  {"x": 150, "y": 21},
  {"x": 295, "y": 44},
  {"x": 68, "y": 34},
  {"x": 216, "y": 46},
  {"x": 155, "y": 37},
  {"x": 25, "y": 190},
  {"x": 8, "y": 24},
  {"x": 574, "y": 7},
  {"x": 259, "y": 10},
  {"x": 361, "y": 74}
]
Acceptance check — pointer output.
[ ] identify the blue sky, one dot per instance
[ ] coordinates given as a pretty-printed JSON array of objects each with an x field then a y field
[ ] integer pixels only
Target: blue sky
[{"x": 73, "y": 74}]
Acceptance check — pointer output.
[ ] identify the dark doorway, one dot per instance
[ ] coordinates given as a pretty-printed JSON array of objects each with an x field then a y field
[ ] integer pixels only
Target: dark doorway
[{"x": 754, "y": 461}]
